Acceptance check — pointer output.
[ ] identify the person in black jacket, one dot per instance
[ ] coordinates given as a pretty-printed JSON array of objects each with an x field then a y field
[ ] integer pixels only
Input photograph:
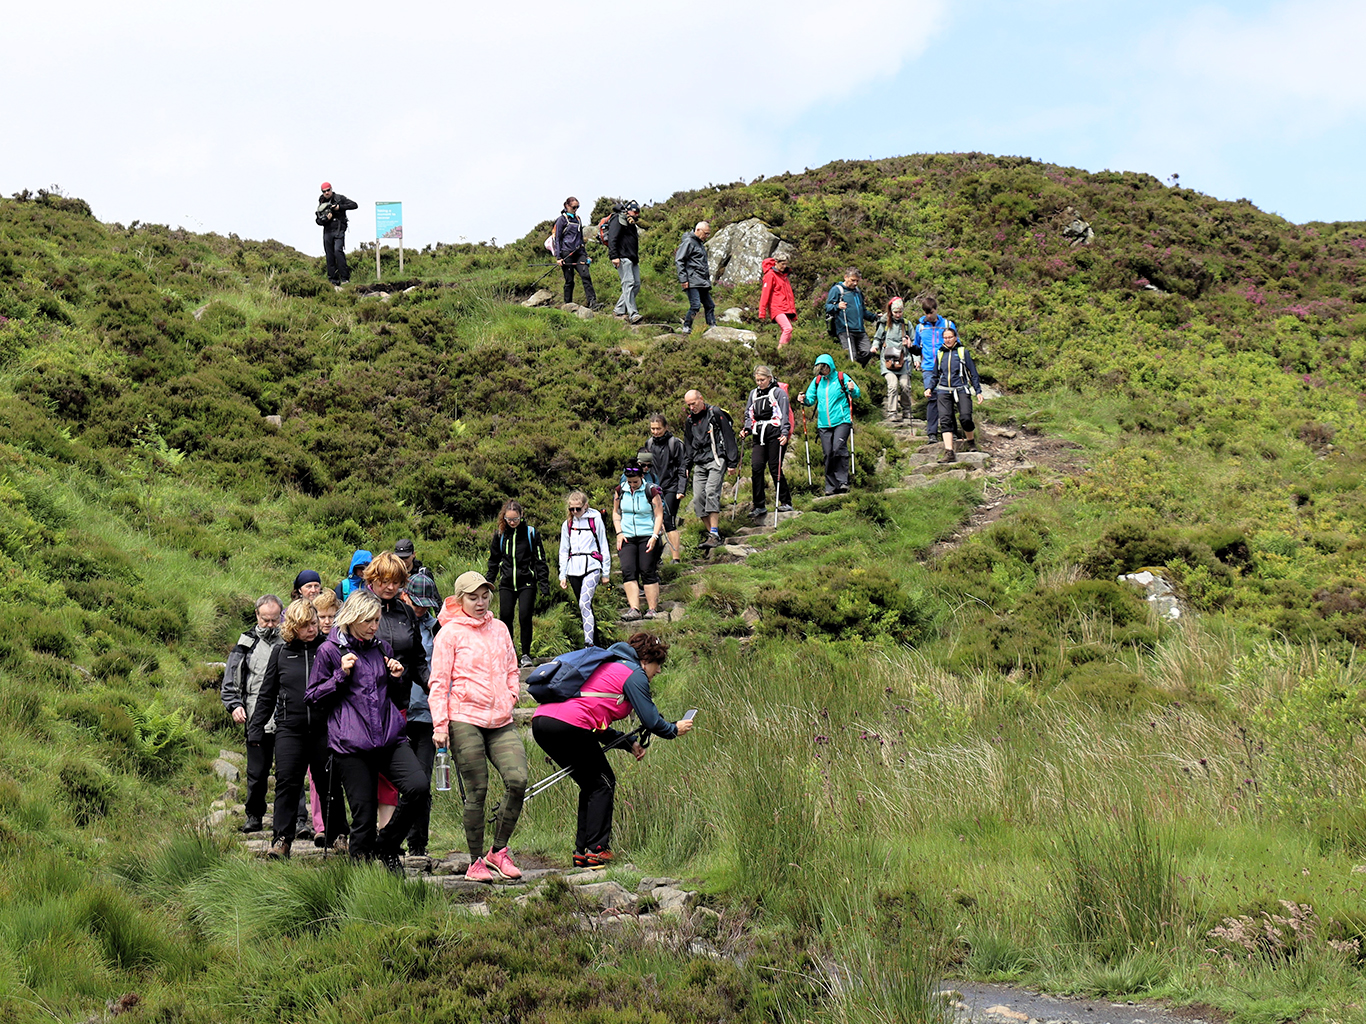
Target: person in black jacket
[
  {"x": 332, "y": 207},
  {"x": 670, "y": 465},
  {"x": 298, "y": 746},
  {"x": 517, "y": 558},
  {"x": 570, "y": 249},
  {"x": 623, "y": 248},
  {"x": 711, "y": 452},
  {"x": 386, "y": 577}
]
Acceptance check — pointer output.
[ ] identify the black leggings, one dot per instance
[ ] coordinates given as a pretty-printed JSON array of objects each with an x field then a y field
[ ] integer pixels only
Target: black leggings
[
  {"x": 360, "y": 774},
  {"x": 297, "y": 752},
  {"x": 580, "y": 751},
  {"x": 637, "y": 562},
  {"x": 522, "y": 603}
]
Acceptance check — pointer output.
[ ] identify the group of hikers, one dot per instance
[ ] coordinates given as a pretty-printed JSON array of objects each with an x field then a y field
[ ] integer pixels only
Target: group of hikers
[
  {"x": 359, "y": 695},
  {"x": 358, "y": 687}
]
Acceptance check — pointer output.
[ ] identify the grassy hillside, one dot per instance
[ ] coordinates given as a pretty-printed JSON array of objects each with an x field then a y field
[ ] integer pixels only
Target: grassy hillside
[{"x": 990, "y": 758}]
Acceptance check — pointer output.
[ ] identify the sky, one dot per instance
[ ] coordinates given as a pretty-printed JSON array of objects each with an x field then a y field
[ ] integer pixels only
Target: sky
[{"x": 482, "y": 119}]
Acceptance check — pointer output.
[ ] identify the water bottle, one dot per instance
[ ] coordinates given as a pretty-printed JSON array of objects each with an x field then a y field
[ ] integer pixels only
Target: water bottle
[{"x": 441, "y": 771}]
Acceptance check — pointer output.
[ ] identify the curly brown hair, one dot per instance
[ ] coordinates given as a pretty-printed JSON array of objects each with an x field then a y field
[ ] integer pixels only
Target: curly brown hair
[
  {"x": 649, "y": 647},
  {"x": 386, "y": 568}
]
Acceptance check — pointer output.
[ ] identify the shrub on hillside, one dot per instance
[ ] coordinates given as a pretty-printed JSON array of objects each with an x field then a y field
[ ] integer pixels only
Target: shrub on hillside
[{"x": 863, "y": 604}]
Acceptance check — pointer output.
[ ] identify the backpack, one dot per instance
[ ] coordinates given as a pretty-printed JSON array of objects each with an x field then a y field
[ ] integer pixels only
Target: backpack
[
  {"x": 322, "y": 215},
  {"x": 832, "y": 316},
  {"x": 935, "y": 333},
  {"x": 602, "y": 229},
  {"x": 563, "y": 678}
]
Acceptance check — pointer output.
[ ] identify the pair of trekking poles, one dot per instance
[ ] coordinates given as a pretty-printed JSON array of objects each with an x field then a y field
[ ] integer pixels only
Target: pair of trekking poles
[{"x": 806, "y": 441}]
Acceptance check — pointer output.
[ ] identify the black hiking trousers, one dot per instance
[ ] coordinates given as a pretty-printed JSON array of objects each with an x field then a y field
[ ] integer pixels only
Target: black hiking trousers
[
  {"x": 298, "y": 751},
  {"x": 360, "y": 778},
  {"x": 259, "y": 758},
  {"x": 334, "y": 248},
  {"x": 577, "y": 263},
  {"x": 518, "y": 604},
  {"x": 768, "y": 456},
  {"x": 580, "y": 751}
]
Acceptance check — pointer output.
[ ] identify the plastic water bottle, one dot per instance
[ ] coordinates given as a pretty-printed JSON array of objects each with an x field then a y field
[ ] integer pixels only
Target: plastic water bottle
[{"x": 441, "y": 771}]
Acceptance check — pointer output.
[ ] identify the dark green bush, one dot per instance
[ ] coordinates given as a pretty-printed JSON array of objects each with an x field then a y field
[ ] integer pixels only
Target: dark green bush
[
  {"x": 856, "y": 603},
  {"x": 50, "y": 635},
  {"x": 88, "y": 791}
]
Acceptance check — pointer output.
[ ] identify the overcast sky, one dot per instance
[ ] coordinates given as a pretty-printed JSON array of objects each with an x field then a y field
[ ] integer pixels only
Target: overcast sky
[{"x": 481, "y": 119}]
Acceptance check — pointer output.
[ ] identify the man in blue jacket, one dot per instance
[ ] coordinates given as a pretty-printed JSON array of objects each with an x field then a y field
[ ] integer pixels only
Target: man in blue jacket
[
  {"x": 829, "y": 393},
  {"x": 929, "y": 335},
  {"x": 571, "y": 252},
  {"x": 845, "y": 305}
]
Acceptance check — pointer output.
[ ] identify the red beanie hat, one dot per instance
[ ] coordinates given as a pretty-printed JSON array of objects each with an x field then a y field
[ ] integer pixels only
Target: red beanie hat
[{"x": 326, "y": 186}]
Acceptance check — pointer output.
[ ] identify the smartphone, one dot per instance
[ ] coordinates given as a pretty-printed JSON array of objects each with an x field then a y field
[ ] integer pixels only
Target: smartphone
[{"x": 688, "y": 716}]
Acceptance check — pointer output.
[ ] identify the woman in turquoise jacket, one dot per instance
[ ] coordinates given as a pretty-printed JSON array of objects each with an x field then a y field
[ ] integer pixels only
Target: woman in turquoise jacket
[{"x": 829, "y": 392}]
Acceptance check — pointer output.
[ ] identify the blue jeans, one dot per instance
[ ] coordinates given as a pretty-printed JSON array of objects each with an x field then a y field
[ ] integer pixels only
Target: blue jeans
[{"x": 700, "y": 298}]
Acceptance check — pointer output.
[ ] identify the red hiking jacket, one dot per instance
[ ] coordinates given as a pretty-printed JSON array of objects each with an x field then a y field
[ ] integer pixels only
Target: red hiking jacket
[{"x": 777, "y": 295}]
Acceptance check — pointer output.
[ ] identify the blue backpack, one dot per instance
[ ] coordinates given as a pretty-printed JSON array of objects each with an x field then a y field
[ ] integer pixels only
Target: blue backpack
[{"x": 563, "y": 678}]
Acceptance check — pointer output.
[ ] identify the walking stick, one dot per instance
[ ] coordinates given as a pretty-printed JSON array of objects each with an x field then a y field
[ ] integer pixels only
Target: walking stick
[
  {"x": 806, "y": 440},
  {"x": 641, "y": 736},
  {"x": 778, "y": 484}
]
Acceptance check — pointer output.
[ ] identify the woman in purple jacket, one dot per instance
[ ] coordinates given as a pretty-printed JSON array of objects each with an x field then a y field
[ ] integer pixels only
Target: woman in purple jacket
[{"x": 359, "y": 684}]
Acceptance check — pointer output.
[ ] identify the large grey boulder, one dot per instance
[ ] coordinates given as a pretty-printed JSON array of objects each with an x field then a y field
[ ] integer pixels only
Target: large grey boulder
[
  {"x": 735, "y": 334},
  {"x": 737, "y": 251}
]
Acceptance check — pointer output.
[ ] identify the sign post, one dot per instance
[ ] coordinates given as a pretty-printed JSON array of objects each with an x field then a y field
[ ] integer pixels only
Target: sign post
[{"x": 388, "y": 224}]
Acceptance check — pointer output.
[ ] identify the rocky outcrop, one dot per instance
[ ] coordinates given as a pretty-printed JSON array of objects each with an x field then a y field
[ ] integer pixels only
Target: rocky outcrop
[
  {"x": 737, "y": 251},
  {"x": 541, "y": 297},
  {"x": 1077, "y": 229},
  {"x": 735, "y": 334},
  {"x": 1157, "y": 592}
]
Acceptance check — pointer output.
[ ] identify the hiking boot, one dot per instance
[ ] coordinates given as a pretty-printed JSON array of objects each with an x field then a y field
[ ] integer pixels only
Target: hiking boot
[
  {"x": 526, "y": 662},
  {"x": 341, "y": 845},
  {"x": 758, "y": 513},
  {"x": 392, "y": 862},
  {"x": 786, "y": 508},
  {"x": 250, "y": 825},
  {"x": 684, "y": 328},
  {"x": 631, "y": 615},
  {"x": 636, "y": 318},
  {"x": 304, "y": 833},
  {"x": 501, "y": 861},
  {"x": 970, "y": 445},
  {"x": 948, "y": 456},
  {"x": 480, "y": 872},
  {"x": 710, "y": 541},
  {"x": 580, "y": 859},
  {"x": 280, "y": 849},
  {"x": 599, "y": 858},
  {"x": 320, "y": 840}
]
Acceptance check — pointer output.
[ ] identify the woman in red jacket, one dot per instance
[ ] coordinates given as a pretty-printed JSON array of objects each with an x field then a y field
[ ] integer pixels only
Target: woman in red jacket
[{"x": 777, "y": 298}]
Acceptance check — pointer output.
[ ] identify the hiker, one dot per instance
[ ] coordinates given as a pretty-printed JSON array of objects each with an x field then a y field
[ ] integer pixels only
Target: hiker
[
  {"x": 845, "y": 308},
  {"x": 517, "y": 559},
  {"x": 638, "y": 517},
  {"x": 671, "y": 471},
  {"x": 327, "y": 810},
  {"x": 385, "y": 577},
  {"x": 893, "y": 344},
  {"x": 332, "y": 207},
  {"x": 694, "y": 274},
  {"x": 952, "y": 386},
  {"x": 475, "y": 684},
  {"x": 777, "y": 298},
  {"x": 298, "y": 749},
  {"x": 354, "y": 579},
  {"x": 571, "y": 253},
  {"x": 929, "y": 334},
  {"x": 829, "y": 393},
  {"x": 358, "y": 683},
  {"x": 421, "y": 596},
  {"x": 623, "y": 249},
  {"x": 585, "y": 558},
  {"x": 768, "y": 417},
  {"x": 711, "y": 451},
  {"x": 308, "y": 585},
  {"x": 574, "y": 731},
  {"x": 404, "y": 549},
  {"x": 239, "y": 691}
]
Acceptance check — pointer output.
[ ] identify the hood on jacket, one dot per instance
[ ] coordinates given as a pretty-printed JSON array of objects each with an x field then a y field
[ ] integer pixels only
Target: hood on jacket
[
  {"x": 769, "y": 264},
  {"x": 453, "y": 611},
  {"x": 825, "y": 360},
  {"x": 358, "y": 559}
]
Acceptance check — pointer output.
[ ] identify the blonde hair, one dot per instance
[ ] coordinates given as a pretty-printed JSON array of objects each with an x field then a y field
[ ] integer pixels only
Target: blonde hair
[
  {"x": 361, "y": 606},
  {"x": 299, "y": 613},
  {"x": 386, "y": 568},
  {"x": 575, "y": 498},
  {"x": 327, "y": 602}
]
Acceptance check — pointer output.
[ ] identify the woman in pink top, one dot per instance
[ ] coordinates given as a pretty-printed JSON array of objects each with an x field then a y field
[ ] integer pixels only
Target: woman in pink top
[
  {"x": 474, "y": 685},
  {"x": 573, "y": 733}
]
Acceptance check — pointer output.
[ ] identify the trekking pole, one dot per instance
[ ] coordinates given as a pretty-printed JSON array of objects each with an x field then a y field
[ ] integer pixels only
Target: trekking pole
[
  {"x": 778, "y": 484},
  {"x": 736, "y": 507},
  {"x": 806, "y": 440},
  {"x": 640, "y": 735}
]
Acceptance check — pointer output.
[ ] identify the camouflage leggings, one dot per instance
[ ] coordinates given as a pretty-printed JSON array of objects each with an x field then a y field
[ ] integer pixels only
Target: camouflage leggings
[{"x": 474, "y": 748}]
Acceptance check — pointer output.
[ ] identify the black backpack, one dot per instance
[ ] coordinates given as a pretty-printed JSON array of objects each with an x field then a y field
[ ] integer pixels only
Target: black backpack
[{"x": 323, "y": 215}]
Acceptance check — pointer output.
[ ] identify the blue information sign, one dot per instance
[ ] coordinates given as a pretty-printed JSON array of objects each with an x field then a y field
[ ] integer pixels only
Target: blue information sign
[{"x": 388, "y": 220}]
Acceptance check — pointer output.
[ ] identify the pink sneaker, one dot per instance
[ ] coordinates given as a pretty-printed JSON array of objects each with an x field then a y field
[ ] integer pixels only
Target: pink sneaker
[
  {"x": 501, "y": 860},
  {"x": 480, "y": 872}
]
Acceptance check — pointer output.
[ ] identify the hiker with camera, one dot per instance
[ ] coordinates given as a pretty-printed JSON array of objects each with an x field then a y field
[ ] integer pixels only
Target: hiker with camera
[
  {"x": 475, "y": 685},
  {"x": 569, "y": 247},
  {"x": 893, "y": 344},
  {"x": 623, "y": 249},
  {"x": 768, "y": 418},
  {"x": 585, "y": 558},
  {"x": 829, "y": 393},
  {"x": 711, "y": 452},
  {"x": 671, "y": 472},
  {"x": 575, "y": 731},
  {"x": 638, "y": 516},
  {"x": 331, "y": 217}
]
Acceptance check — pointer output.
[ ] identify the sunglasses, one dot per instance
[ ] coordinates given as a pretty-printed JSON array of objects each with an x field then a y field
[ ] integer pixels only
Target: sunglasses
[{"x": 575, "y": 508}]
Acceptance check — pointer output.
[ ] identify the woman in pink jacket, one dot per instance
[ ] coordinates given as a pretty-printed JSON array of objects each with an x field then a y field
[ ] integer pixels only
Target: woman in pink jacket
[
  {"x": 474, "y": 685},
  {"x": 777, "y": 298}
]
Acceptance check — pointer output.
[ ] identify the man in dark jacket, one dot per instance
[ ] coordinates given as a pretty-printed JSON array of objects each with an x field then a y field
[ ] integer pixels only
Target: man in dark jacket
[
  {"x": 694, "y": 274},
  {"x": 670, "y": 464},
  {"x": 623, "y": 248},
  {"x": 241, "y": 687},
  {"x": 570, "y": 250},
  {"x": 332, "y": 207},
  {"x": 711, "y": 451}
]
